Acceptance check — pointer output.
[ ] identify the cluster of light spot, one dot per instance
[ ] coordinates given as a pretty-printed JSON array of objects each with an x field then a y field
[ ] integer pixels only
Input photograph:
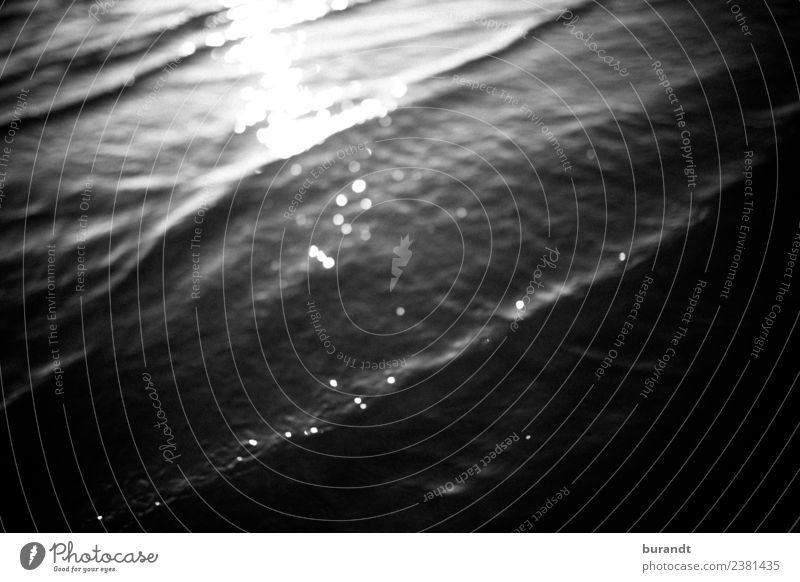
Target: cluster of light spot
[
  {"x": 315, "y": 253},
  {"x": 306, "y": 432},
  {"x": 296, "y": 117},
  {"x": 519, "y": 305}
]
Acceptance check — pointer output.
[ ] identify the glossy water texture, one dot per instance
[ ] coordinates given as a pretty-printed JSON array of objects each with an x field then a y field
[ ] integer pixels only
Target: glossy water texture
[{"x": 298, "y": 265}]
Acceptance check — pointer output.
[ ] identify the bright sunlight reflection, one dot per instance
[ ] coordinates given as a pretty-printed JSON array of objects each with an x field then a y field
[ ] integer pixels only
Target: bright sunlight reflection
[{"x": 293, "y": 106}]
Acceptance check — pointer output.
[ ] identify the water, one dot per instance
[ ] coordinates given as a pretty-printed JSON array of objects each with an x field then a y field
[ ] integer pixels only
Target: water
[{"x": 213, "y": 320}]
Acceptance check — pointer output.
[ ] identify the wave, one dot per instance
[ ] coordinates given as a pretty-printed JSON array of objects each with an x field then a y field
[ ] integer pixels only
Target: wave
[
  {"x": 493, "y": 49},
  {"x": 123, "y": 74},
  {"x": 119, "y": 63}
]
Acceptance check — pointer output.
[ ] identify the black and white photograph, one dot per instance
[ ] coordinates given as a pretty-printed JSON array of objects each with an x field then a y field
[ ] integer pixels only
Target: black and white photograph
[{"x": 325, "y": 267}]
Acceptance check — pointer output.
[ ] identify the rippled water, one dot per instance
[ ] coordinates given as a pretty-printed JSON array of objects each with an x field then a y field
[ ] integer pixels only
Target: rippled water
[{"x": 297, "y": 265}]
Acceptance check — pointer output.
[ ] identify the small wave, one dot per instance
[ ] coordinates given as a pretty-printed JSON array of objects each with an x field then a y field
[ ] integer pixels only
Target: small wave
[{"x": 509, "y": 40}]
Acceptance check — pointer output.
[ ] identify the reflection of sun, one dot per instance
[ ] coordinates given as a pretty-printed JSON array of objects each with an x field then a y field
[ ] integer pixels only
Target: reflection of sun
[{"x": 291, "y": 117}]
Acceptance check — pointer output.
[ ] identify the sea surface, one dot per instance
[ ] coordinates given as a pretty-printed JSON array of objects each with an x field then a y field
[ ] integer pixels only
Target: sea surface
[{"x": 394, "y": 265}]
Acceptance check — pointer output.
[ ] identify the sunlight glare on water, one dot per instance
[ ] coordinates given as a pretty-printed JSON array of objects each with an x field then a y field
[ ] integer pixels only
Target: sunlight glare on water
[{"x": 290, "y": 103}]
